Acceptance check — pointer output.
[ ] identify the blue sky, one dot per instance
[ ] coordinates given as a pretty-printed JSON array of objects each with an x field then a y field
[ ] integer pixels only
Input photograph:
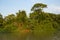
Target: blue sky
[{"x": 12, "y": 6}]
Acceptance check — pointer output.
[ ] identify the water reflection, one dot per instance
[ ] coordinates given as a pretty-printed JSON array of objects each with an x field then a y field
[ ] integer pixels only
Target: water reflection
[{"x": 29, "y": 36}]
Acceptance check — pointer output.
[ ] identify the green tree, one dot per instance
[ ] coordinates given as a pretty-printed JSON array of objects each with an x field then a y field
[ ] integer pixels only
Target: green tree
[
  {"x": 10, "y": 18},
  {"x": 21, "y": 16},
  {"x": 38, "y": 7},
  {"x": 21, "y": 19},
  {"x": 9, "y": 25},
  {"x": 1, "y": 20}
]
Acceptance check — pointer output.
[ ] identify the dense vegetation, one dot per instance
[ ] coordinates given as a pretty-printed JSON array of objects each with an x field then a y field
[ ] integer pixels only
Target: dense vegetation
[{"x": 39, "y": 23}]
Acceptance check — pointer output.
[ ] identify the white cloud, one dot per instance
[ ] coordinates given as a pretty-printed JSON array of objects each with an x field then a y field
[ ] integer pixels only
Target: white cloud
[{"x": 53, "y": 9}]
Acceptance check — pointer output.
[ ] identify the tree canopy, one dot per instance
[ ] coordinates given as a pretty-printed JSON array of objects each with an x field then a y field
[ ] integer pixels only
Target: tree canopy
[{"x": 38, "y": 7}]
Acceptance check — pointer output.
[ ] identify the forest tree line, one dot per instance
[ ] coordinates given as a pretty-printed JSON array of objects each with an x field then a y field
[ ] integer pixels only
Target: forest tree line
[{"x": 38, "y": 22}]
